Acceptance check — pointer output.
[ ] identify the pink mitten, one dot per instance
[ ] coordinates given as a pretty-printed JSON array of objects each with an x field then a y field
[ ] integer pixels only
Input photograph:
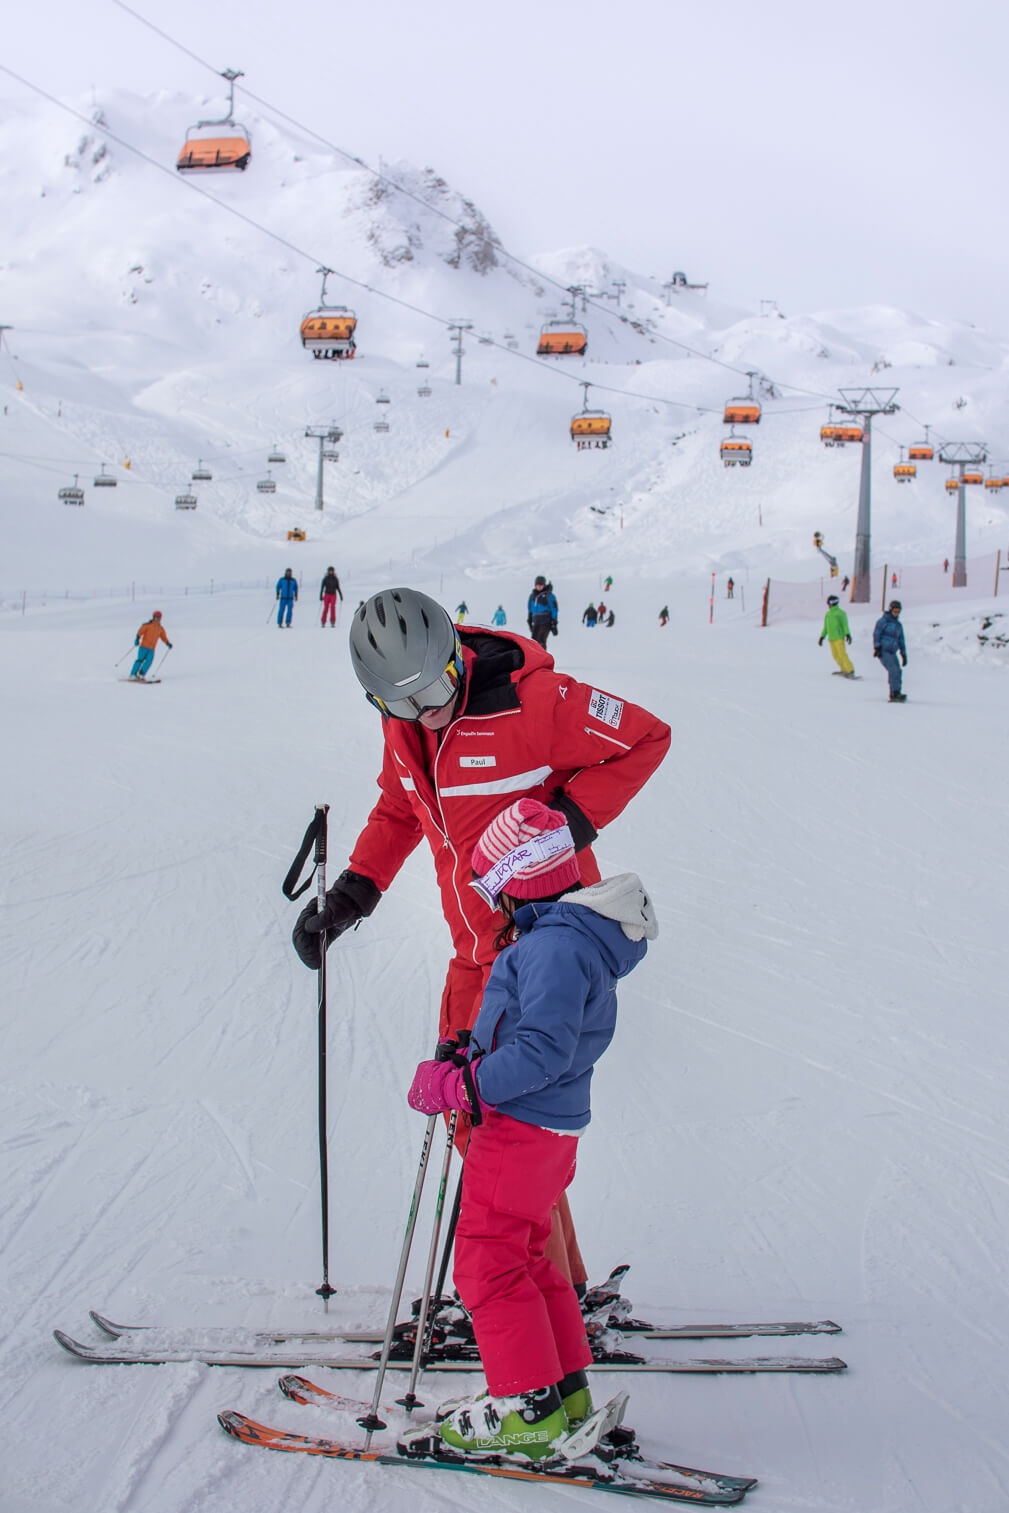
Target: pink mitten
[{"x": 439, "y": 1086}]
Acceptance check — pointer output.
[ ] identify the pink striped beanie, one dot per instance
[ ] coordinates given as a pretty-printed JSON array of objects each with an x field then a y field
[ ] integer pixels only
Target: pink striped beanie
[{"x": 518, "y": 854}]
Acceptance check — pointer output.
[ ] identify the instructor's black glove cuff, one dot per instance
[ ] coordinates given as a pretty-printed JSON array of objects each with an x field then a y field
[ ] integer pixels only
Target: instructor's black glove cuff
[
  {"x": 351, "y": 898},
  {"x": 583, "y": 832}
]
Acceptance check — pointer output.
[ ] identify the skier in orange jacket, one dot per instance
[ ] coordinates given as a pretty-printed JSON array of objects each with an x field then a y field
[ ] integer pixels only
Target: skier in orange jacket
[{"x": 150, "y": 633}]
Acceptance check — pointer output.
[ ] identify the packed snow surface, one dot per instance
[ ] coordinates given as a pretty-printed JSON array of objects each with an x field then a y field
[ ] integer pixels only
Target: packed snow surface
[{"x": 802, "y": 1114}]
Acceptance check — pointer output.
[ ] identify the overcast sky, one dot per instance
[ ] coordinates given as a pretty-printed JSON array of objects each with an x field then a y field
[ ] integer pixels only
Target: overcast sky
[{"x": 812, "y": 154}]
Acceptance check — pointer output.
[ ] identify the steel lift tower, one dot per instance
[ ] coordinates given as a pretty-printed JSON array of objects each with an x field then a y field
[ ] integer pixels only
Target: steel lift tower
[
  {"x": 865, "y": 403},
  {"x": 327, "y": 437},
  {"x": 960, "y": 454}
]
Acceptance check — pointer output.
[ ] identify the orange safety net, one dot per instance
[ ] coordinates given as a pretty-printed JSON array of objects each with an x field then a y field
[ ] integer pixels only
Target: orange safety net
[
  {"x": 328, "y": 327},
  {"x": 742, "y": 414},
  {"x": 562, "y": 342},
  {"x": 921, "y": 453},
  {"x": 591, "y": 425}
]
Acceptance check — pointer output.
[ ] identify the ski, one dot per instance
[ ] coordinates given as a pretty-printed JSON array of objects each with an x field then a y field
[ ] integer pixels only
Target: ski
[
  {"x": 139, "y": 680},
  {"x": 602, "y": 1478},
  {"x": 622, "y": 1326},
  {"x": 255, "y": 1354},
  {"x": 620, "y": 1444}
]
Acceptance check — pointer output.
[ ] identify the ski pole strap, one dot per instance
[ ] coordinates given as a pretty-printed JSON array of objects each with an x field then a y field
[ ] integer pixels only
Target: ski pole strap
[{"x": 315, "y": 836}]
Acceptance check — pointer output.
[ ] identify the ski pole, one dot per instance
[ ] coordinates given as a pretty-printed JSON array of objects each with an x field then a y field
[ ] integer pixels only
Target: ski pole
[
  {"x": 163, "y": 660},
  {"x": 325, "y": 1291},
  {"x": 273, "y": 611},
  {"x": 411, "y": 1400},
  {"x": 371, "y": 1420},
  {"x": 316, "y": 833},
  {"x": 125, "y": 654}
]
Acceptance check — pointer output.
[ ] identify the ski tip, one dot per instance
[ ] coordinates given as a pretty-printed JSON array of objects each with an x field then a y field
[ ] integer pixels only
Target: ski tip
[
  {"x": 106, "y": 1325},
  {"x": 74, "y": 1347},
  {"x": 298, "y": 1388}
]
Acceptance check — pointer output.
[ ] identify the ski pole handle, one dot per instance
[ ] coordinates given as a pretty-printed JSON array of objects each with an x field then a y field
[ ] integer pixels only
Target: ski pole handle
[{"x": 321, "y": 811}]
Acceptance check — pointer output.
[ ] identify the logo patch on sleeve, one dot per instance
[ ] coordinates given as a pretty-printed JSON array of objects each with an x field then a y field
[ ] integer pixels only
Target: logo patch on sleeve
[{"x": 606, "y": 709}]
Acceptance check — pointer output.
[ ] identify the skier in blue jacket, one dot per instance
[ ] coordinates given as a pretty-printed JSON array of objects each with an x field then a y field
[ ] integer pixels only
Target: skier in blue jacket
[
  {"x": 499, "y": 617},
  {"x": 888, "y": 645},
  {"x": 287, "y": 594},
  {"x": 549, "y": 1011},
  {"x": 542, "y": 610}
]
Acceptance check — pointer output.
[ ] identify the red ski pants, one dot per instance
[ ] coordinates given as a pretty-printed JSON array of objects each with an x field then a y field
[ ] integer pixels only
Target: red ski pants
[
  {"x": 329, "y": 608},
  {"x": 526, "y": 1316}
]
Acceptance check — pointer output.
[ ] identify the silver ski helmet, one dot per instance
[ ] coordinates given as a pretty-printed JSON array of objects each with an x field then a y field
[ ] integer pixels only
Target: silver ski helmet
[{"x": 405, "y": 653}]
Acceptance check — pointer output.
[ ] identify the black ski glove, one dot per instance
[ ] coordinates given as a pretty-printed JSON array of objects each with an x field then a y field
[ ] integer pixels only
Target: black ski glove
[
  {"x": 820, "y": 642},
  {"x": 876, "y": 651},
  {"x": 583, "y": 832},
  {"x": 903, "y": 661},
  {"x": 529, "y": 622},
  {"x": 848, "y": 639},
  {"x": 351, "y": 898},
  {"x": 553, "y": 627}
]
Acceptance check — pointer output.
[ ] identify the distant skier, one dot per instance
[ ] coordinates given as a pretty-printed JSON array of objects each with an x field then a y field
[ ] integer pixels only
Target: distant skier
[
  {"x": 609, "y": 620},
  {"x": 287, "y": 594},
  {"x": 835, "y": 630},
  {"x": 600, "y": 611},
  {"x": 888, "y": 644},
  {"x": 730, "y": 586},
  {"x": 664, "y": 616},
  {"x": 945, "y": 565},
  {"x": 499, "y": 617},
  {"x": 608, "y": 584},
  {"x": 461, "y": 611},
  {"x": 589, "y": 617},
  {"x": 542, "y": 611},
  {"x": 844, "y": 584},
  {"x": 893, "y": 580},
  {"x": 150, "y": 633},
  {"x": 328, "y": 592}
]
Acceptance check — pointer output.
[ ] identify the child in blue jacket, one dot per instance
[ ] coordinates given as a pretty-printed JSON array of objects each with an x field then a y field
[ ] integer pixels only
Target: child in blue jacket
[
  {"x": 888, "y": 644},
  {"x": 548, "y": 1013}
]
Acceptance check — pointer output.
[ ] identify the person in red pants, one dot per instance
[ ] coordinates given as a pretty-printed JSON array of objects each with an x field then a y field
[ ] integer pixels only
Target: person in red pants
[
  {"x": 328, "y": 591},
  {"x": 473, "y": 718},
  {"x": 548, "y": 1013}
]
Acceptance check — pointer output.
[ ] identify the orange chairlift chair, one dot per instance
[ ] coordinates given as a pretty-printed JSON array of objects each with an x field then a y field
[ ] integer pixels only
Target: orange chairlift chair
[
  {"x": 562, "y": 338},
  {"x": 217, "y": 146},
  {"x": 328, "y": 331},
  {"x": 591, "y": 429}
]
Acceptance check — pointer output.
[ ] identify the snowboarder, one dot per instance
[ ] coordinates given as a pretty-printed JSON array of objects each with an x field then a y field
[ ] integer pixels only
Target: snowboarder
[
  {"x": 500, "y": 618},
  {"x": 287, "y": 594},
  {"x": 609, "y": 620},
  {"x": 542, "y": 611},
  {"x": 549, "y": 1010},
  {"x": 461, "y": 611},
  {"x": 150, "y": 633},
  {"x": 589, "y": 617},
  {"x": 835, "y": 630},
  {"x": 729, "y": 588},
  {"x": 888, "y": 644},
  {"x": 328, "y": 592},
  {"x": 664, "y": 615},
  {"x": 608, "y": 584},
  {"x": 488, "y": 712}
]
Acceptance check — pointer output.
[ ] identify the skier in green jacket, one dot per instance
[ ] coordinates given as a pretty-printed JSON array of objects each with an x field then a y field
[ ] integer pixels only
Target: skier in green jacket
[{"x": 835, "y": 630}]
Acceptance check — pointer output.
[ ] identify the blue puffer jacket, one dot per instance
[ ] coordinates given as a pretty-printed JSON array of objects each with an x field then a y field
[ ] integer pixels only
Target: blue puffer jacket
[
  {"x": 888, "y": 635},
  {"x": 550, "y": 1005},
  {"x": 287, "y": 588},
  {"x": 542, "y": 601}
]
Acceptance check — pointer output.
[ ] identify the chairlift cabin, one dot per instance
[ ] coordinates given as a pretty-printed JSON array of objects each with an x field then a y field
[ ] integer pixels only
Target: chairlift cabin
[
  {"x": 200, "y": 474},
  {"x": 485, "y": 341},
  {"x": 845, "y": 433},
  {"x": 277, "y": 456},
  {"x": 296, "y": 534},
  {"x": 921, "y": 451},
  {"x": 422, "y": 362},
  {"x": 266, "y": 485},
  {"x": 382, "y": 426},
  {"x": 562, "y": 338},
  {"x": 973, "y": 476},
  {"x": 73, "y": 494},
  {"x": 185, "y": 501},
  {"x": 952, "y": 485},
  {"x": 735, "y": 452},
  {"x": 382, "y": 398},
  {"x": 217, "y": 146},
  {"x": 828, "y": 435},
  {"x": 742, "y": 412},
  {"x": 105, "y": 480},
  {"x": 994, "y": 483},
  {"x": 904, "y": 472},
  {"x": 424, "y": 390},
  {"x": 591, "y": 429},
  {"x": 330, "y": 454},
  {"x": 328, "y": 331}
]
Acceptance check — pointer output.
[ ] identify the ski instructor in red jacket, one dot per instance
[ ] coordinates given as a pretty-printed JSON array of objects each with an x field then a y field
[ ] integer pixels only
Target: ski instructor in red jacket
[{"x": 475, "y": 719}]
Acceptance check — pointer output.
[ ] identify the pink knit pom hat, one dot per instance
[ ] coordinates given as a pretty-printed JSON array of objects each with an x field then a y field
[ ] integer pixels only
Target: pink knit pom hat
[{"x": 526, "y": 852}]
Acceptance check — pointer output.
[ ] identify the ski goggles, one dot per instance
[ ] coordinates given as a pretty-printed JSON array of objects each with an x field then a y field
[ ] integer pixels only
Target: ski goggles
[
  {"x": 435, "y": 696},
  {"x": 531, "y": 857}
]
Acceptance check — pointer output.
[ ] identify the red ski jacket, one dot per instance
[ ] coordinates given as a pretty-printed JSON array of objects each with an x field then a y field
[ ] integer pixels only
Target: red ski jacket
[{"x": 524, "y": 730}]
